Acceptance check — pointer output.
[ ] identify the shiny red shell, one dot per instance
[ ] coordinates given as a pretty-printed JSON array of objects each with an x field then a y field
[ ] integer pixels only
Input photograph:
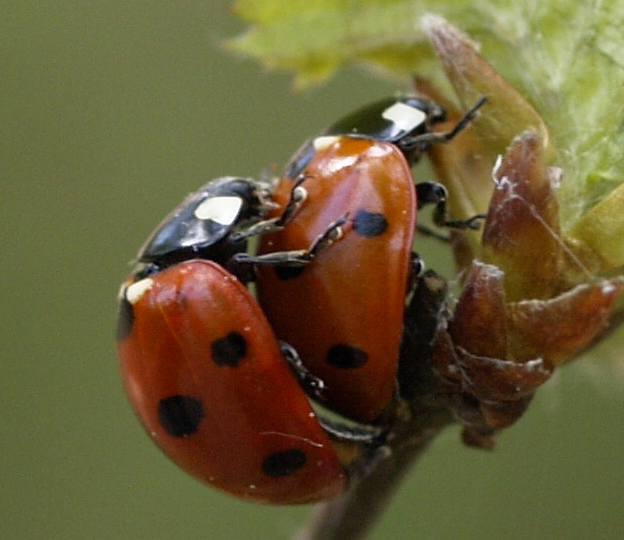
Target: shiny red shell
[
  {"x": 344, "y": 312},
  {"x": 206, "y": 376}
]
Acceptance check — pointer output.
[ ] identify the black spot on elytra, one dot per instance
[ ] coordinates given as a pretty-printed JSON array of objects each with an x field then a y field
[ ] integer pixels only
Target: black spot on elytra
[
  {"x": 346, "y": 357},
  {"x": 230, "y": 350},
  {"x": 180, "y": 415},
  {"x": 369, "y": 224},
  {"x": 288, "y": 272},
  {"x": 283, "y": 463},
  {"x": 125, "y": 319}
]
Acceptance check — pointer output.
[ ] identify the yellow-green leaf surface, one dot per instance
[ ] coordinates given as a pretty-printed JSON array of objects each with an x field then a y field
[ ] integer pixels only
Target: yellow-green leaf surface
[
  {"x": 565, "y": 58},
  {"x": 313, "y": 38}
]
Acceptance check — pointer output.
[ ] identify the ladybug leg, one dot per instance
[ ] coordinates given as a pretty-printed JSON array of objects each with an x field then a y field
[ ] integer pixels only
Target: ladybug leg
[
  {"x": 369, "y": 442},
  {"x": 298, "y": 195},
  {"x": 333, "y": 233},
  {"x": 299, "y": 257},
  {"x": 357, "y": 433},
  {"x": 425, "y": 140},
  {"x": 313, "y": 385},
  {"x": 416, "y": 270},
  {"x": 436, "y": 194},
  {"x": 417, "y": 265},
  {"x": 429, "y": 232}
]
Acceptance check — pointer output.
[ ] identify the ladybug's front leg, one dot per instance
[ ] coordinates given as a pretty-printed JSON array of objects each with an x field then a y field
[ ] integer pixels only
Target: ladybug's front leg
[
  {"x": 417, "y": 266},
  {"x": 426, "y": 140},
  {"x": 312, "y": 384},
  {"x": 298, "y": 257},
  {"x": 298, "y": 195},
  {"x": 352, "y": 433},
  {"x": 436, "y": 194}
]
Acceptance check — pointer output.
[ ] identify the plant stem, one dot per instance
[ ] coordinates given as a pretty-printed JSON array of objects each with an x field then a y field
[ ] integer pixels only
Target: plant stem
[{"x": 353, "y": 514}]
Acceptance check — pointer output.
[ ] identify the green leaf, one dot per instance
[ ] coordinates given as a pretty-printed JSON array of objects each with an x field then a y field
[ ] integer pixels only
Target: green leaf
[
  {"x": 313, "y": 38},
  {"x": 565, "y": 59}
]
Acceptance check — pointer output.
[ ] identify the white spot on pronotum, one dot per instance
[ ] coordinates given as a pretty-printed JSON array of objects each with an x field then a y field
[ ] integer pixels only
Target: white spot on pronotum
[
  {"x": 135, "y": 291},
  {"x": 320, "y": 143},
  {"x": 404, "y": 116},
  {"x": 222, "y": 210}
]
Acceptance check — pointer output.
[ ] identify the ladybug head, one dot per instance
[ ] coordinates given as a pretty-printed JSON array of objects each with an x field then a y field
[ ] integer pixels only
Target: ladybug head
[{"x": 201, "y": 225}]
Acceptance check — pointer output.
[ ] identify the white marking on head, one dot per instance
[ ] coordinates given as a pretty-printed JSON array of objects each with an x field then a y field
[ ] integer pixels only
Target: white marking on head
[
  {"x": 135, "y": 292},
  {"x": 405, "y": 117},
  {"x": 221, "y": 210},
  {"x": 325, "y": 141}
]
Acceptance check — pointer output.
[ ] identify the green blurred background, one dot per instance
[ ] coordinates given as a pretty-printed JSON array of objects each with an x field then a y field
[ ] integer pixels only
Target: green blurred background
[{"x": 110, "y": 113}]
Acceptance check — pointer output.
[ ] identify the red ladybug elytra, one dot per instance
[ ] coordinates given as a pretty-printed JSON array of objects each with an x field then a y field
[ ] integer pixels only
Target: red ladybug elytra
[
  {"x": 347, "y": 318},
  {"x": 203, "y": 368},
  {"x": 344, "y": 314}
]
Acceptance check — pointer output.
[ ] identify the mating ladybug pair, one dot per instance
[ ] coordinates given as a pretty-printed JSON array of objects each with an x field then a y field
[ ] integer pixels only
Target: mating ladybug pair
[{"x": 200, "y": 357}]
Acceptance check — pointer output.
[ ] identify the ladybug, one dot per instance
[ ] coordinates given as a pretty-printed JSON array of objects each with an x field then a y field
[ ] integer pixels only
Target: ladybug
[
  {"x": 203, "y": 368},
  {"x": 344, "y": 314}
]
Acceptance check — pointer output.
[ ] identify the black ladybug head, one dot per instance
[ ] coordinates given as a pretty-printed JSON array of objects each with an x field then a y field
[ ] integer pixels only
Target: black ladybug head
[
  {"x": 390, "y": 120},
  {"x": 201, "y": 225}
]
